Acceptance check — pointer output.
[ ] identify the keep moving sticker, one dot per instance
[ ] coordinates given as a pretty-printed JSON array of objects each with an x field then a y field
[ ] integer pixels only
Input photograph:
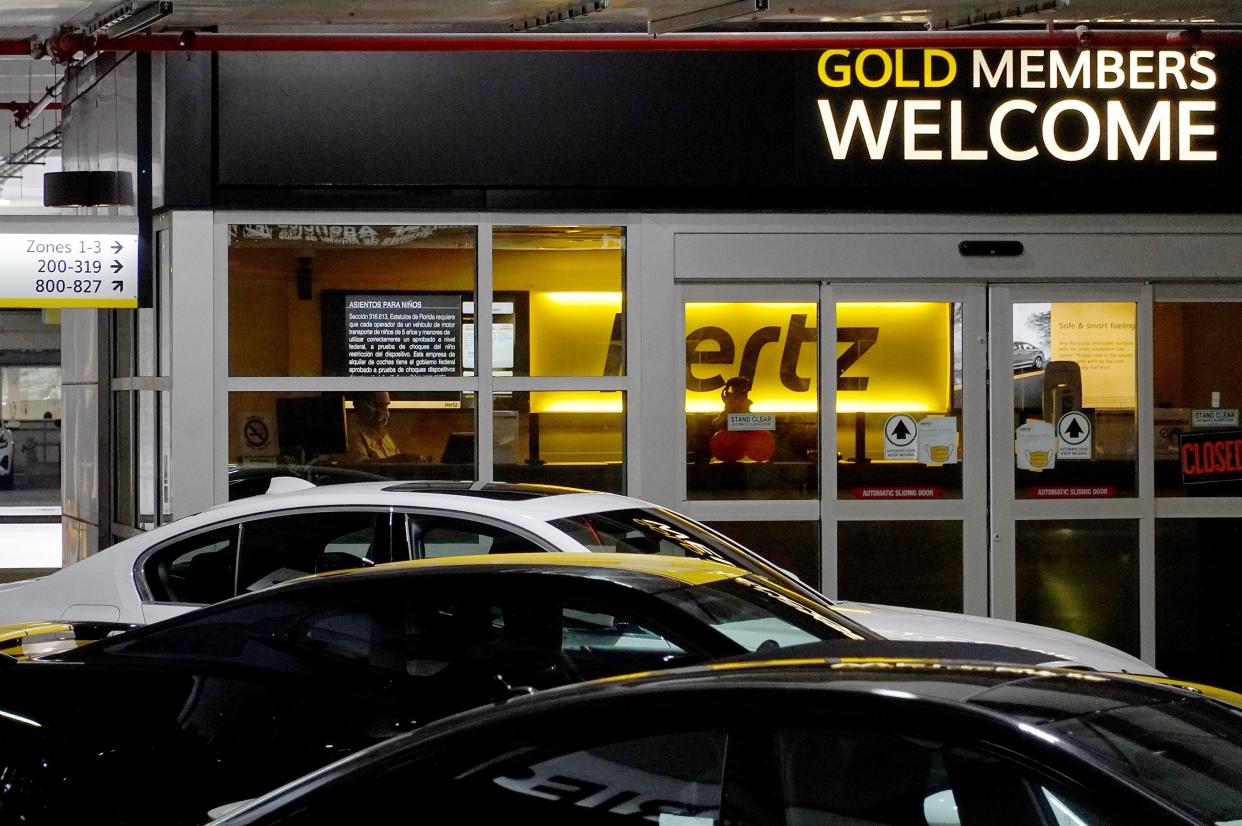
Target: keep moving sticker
[
  {"x": 900, "y": 438},
  {"x": 1035, "y": 443},
  {"x": 1073, "y": 436}
]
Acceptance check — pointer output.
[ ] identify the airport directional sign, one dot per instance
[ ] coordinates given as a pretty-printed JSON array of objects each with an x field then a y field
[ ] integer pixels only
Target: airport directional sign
[{"x": 63, "y": 270}]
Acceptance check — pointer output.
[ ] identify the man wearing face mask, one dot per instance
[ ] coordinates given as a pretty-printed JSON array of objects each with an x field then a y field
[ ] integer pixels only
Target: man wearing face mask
[{"x": 369, "y": 439}]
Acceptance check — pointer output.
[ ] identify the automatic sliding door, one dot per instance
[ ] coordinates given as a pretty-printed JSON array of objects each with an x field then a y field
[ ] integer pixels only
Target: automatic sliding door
[{"x": 908, "y": 495}]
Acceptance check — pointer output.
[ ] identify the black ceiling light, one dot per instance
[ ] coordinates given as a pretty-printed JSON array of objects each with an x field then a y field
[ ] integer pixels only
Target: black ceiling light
[{"x": 87, "y": 188}]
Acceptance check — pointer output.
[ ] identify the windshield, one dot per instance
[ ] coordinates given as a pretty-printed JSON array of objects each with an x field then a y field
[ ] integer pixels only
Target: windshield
[
  {"x": 756, "y": 615},
  {"x": 659, "y": 531},
  {"x": 1189, "y": 751}
]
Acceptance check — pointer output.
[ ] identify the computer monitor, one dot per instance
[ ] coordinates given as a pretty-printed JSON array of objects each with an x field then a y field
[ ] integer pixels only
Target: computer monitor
[
  {"x": 458, "y": 450},
  {"x": 311, "y": 426}
]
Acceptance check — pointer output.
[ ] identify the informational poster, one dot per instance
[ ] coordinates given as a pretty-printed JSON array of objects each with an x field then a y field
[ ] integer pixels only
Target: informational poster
[
  {"x": 502, "y": 336},
  {"x": 403, "y": 335},
  {"x": 1100, "y": 338}
]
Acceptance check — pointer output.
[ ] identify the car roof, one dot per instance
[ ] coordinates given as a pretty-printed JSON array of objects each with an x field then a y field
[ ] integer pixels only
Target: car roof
[
  {"x": 497, "y": 499},
  {"x": 684, "y": 570},
  {"x": 487, "y": 500},
  {"x": 1028, "y": 694},
  {"x": 1008, "y": 694}
]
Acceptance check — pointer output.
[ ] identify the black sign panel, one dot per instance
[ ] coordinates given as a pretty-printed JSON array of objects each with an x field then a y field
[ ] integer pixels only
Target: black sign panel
[
  {"x": 1019, "y": 130},
  {"x": 1214, "y": 456},
  {"x": 402, "y": 335}
]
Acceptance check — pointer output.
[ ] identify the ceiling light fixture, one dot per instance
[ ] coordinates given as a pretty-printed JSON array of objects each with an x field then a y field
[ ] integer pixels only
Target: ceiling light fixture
[
  {"x": 87, "y": 188},
  {"x": 977, "y": 15},
  {"x": 128, "y": 18},
  {"x": 571, "y": 12}
]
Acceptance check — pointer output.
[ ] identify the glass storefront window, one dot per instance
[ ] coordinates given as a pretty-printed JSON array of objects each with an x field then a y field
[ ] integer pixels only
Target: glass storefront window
[
  {"x": 899, "y": 405},
  {"x": 1074, "y": 400},
  {"x": 557, "y": 301},
  {"x": 752, "y": 415},
  {"x": 1198, "y": 390},
  {"x": 912, "y": 563},
  {"x": 1198, "y": 617},
  {"x": 570, "y": 438},
  {"x": 31, "y": 430},
  {"x": 343, "y": 436},
  {"x": 1080, "y": 576},
  {"x": 793, "y": 546},
  {"x": 353, "y": 300}
]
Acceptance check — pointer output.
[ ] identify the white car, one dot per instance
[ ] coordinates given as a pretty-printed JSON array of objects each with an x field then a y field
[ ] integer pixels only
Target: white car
[{"x": 256, "y": 542}]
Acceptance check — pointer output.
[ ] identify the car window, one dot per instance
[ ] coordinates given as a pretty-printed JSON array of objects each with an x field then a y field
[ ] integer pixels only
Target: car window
[
  {"x": 197, "y": 569},
  {"x": 279, "y": 548},
  {"x": 1187, "y": 750},
  {"x": 646, "y": 531},
  {"x": 670, "y": 779},
  {"x": 432, "y": 537},
  {"x": 755, "y": 615},
  {"x": 463, "y": 639},
  {"x": 841, "y": 776}
]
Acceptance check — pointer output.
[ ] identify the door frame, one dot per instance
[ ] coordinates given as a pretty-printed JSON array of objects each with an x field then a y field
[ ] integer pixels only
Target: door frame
[
  {"x": 1006, "y": 510},
  {"x": 971, "y": 508}
]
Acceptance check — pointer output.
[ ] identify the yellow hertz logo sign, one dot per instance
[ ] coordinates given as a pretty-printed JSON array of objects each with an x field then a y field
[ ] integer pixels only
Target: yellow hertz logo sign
[
  {"x": 889, "y": 356},
  {"x": 1145, "y": 112}
]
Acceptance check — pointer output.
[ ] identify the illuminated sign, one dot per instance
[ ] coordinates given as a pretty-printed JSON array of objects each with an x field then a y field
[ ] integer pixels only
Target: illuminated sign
[
  {"x": 891, "y": 356},
  {"x": 1018, "y": 105},
  {"x": 68, "y": 270},
  {"x": 1211, "y": 457}
]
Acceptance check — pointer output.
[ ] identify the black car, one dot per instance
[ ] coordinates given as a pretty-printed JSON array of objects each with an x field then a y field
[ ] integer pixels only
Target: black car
[
  {"x": 832, "y": 743},
  {"x": 160, "y": 724}
]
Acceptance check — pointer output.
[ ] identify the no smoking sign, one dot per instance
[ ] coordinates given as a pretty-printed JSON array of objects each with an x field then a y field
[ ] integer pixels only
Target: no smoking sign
[{"x": 256, "y": 432}]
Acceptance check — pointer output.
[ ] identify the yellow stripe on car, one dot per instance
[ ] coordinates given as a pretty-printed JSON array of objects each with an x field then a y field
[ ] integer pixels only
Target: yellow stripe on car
[
  {"x": 1222, "y": 694},
  {"x": 683, "y": 569},
  {"x": 12, "y": 635}
]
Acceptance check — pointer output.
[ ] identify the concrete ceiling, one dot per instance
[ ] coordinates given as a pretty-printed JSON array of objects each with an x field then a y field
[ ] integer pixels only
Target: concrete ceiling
[{"x": 22, "y": 18}]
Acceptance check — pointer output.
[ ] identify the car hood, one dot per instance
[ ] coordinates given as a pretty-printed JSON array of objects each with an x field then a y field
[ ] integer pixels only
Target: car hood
[{"x": 897, "y": 623}]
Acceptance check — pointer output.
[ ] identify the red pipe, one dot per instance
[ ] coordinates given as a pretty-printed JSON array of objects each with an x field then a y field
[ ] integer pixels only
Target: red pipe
[
  {"x": 23, "y": 105},
  {"x": 1060, "y": 38}
]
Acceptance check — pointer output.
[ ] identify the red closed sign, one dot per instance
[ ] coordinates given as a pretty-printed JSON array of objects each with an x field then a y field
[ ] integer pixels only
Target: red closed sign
[{"x": 1211, "y": 457}]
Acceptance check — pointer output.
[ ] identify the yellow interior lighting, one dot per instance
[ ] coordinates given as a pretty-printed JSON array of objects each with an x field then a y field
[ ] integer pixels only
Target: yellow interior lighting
[
  {"x": 571, "y": 402},
  {"x": 884, "y": 406},
  {"x": 585, "y": 299}
]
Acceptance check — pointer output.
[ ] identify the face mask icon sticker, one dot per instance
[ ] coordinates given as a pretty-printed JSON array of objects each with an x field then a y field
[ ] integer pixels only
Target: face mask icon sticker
[
  {"x": 938, "y": 440},
  {"x": 1035, "y": 446}
]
